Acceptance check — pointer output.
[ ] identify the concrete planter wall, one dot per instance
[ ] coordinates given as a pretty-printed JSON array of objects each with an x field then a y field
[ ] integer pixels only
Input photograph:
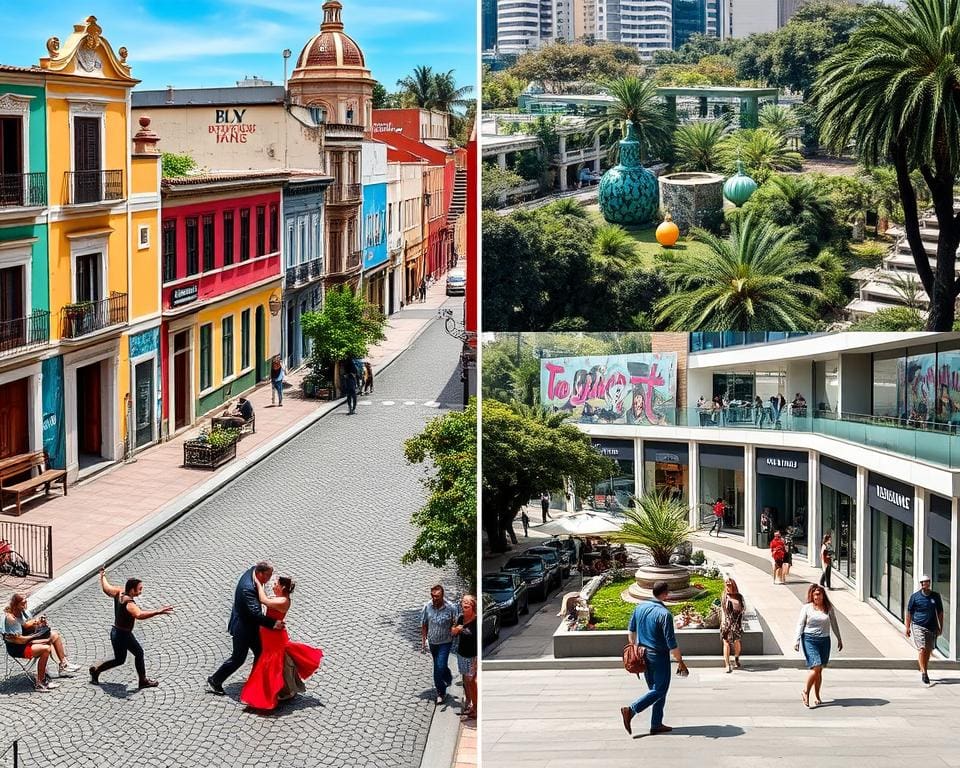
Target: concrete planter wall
[
  {"x": 693, "y": 642},
  {"x": 693, "y": 199}
]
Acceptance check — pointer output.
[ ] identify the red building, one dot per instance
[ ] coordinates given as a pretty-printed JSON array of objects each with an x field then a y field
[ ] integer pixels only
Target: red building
[{"x": 221, "y": 287}]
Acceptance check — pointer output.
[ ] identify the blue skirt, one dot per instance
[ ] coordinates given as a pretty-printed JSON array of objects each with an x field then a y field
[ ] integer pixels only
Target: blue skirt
[{"x": 816, "y": 650}]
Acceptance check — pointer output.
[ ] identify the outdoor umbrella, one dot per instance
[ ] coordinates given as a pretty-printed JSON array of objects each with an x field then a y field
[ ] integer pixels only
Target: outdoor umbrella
[{"x": 580, "y": 524}]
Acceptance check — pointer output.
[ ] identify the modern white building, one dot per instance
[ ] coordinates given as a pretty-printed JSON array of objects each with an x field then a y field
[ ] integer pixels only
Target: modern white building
[{"x": 873, "y": 457}]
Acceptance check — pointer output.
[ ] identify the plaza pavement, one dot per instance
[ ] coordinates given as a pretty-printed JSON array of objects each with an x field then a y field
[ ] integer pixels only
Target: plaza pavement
[{"x": 331, "y": 507}]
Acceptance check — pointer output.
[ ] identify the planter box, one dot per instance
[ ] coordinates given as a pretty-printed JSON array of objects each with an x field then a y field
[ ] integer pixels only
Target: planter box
[
  {"x": 205, "y": 456},
  {"x": 693, "y": 642},
  {"x": 313, "y": 392}
]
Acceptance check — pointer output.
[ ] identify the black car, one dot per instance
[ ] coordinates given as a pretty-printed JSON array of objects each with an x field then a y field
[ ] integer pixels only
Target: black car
[
  {"x": 552, "y": 558},
  {"x": 533, "y": 570},
  {"x": 510, "y": 594},
  {"x": 491, "y": 619},
  {"x": 567, "y": 558}
]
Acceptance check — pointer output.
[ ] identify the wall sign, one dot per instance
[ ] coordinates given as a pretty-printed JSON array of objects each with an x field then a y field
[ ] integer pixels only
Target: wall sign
[
  {"x": 228, "y": 126},
  {"x": 891, "y": 497},
  {"x": 791, "y": 464},
  {"x": 621, "y": 450},
  {"x": 666, "y": 453},
  {"x": 185, "y": 294}
]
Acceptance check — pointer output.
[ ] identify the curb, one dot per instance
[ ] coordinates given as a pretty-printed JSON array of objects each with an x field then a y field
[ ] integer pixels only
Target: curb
[
  {"x": 701, "y": 662},
  {"x": 125, "y": 542}
]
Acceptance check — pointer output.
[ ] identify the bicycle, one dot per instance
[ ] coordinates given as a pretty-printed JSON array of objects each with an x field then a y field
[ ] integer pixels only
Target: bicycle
[{"x": 13, "y": 568}]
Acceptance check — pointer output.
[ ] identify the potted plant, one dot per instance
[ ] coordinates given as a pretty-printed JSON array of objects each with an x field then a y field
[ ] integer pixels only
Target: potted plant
[{"x": 209, "y": 450}]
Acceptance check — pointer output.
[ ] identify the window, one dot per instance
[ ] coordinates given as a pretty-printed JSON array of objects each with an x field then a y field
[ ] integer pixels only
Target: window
[
  {"x": 193, "y": 246},
  {"x": 244, "y": 234},
  {"x": 291, "y": 242},
  {"x": 169, "y": 245},
  {"x": 227, "y": 341},
  {"x": 261, "y": 230},
  {"x": 244, "y": 339},
  {"x": 227, "y": 238},
  {"x": 89, "y": 285},
  {"x": 206, "y": 356},
  {"x": 208, "y": 259},
  {"x": 143, "y": 237},
  {"x": 274, "y": 229}
]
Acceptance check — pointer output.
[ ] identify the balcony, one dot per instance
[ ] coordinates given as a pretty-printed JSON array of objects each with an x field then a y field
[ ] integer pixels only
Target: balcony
[
  {"x": 23, "y": 190},
  {"x": 303, "y": 273},
  {"x": 395, "y": 242},
  {"x": 342, "y": 131},
  {"x": 22, "y": 334},
  {"x": 354, "y": 259},
  {"x": 931, "y": 441},
  {"x": 86, "y": 317},
  {"x": 343, "y": 194},
  {"x": 86, "y": 187}
]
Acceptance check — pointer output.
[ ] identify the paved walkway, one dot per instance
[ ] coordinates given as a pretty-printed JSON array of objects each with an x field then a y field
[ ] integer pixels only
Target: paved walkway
[
  {"x": 466, "y": 756},
  {"x": 102, "y": 507}
]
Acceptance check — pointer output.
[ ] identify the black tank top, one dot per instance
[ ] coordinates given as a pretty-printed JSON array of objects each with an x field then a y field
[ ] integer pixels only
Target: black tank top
[{"x": 122, "y": 618}]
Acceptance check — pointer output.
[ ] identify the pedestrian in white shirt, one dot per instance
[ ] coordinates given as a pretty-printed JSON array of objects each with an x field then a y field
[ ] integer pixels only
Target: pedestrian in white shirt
[{"x": 817, "y": 617}]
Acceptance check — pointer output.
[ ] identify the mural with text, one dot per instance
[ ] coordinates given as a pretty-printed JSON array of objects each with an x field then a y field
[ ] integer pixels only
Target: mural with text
[{"x": 618, "y": 389}]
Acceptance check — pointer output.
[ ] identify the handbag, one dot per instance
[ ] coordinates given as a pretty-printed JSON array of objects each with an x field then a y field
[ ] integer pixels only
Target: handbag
[{"x": 635, "y": 659}]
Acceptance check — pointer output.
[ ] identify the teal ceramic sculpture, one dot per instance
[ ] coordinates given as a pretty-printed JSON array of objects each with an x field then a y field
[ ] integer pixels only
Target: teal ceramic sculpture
[
  {"x": 739, "y": 187},
  {"x": 628, "y": 192}
]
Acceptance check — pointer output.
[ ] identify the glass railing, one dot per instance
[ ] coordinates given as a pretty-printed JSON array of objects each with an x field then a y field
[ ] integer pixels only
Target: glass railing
[
  {"x": 938, "y": 443},
  {"x": 704, "y": 341}
]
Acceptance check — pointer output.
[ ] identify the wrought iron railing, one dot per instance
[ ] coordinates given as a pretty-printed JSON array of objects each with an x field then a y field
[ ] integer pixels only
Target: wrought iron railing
[
  {"x": 23, "y": 333},
  {"x": 316, "y": 267},
  {"x": 303, "y": 273},
  {"x": 343, "y": 193},
  {"x": 290, "y": 279},
  {"x": 93, "y": 186},
  {"x": 87, "y": 317},
  {"x": 34, "y": 543},
  {"x": 23, "y": 190}
]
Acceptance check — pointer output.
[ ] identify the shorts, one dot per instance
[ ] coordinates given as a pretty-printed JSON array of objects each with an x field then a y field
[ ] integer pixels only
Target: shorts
[
  {"x": 18, "y": 651},
  {"x": 467, "y": 665},
  {"x": 923, "y": 638},
  {"x": 788, "y": 559}
]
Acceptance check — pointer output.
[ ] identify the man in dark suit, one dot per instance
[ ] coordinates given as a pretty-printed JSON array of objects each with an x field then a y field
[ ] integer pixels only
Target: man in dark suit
[{"x": 246, "y": 618}]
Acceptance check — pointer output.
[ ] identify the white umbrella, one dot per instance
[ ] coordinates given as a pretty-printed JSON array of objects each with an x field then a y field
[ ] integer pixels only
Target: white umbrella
[{"x": 580, "y": 524}]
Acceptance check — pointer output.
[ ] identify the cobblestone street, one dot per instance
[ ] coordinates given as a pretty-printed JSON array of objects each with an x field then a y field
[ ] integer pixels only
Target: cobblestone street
[{"x": 332, "y": 509}]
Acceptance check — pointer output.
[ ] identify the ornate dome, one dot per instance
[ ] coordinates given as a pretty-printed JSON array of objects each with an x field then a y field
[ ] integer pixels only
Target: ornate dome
[{"x": 331, "y": 48}]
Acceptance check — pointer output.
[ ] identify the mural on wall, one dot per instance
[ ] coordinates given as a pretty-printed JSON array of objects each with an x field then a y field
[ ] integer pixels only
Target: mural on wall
[
  {"x": 374, "y": 225},
  {"x": 928, "y": 388},
  {"x": 51, "y": 373},
  {"x": 947, "y": 405},
  {"x": 619, "y": 389}
]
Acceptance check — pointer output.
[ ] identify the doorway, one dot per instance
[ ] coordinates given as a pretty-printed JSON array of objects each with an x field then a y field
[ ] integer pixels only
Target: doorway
[
  {"x": 143, "y": 403},
  {"x": 181, "y": 380},
  {"x": 14, "y": 428},
  {"x": 259, "y": 344},
  {"x": 11, "y": 161},
  {"x": 86, "y": 160},
  {"x": 89, "y": 415}
]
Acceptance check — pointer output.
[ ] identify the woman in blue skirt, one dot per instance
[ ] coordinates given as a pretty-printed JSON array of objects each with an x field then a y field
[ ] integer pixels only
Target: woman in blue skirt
[{"x": 817, "y": 618}]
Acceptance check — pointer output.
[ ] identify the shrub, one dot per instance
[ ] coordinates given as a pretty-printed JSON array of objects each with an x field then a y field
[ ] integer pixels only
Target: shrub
[{"x": 698, "y": 558}]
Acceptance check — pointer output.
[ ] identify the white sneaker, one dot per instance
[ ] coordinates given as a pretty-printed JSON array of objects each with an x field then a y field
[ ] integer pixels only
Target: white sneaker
[
  {"x": 46, "y": 685},
  {"x": 67, "y": 668}
]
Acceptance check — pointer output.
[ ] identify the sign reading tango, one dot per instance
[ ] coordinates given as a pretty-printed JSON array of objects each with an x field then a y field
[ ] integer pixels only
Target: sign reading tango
[
  {"x": 897, "y": 499},
  {"x": 228, "y": 126},
  {"x": 618, "y": 389}
]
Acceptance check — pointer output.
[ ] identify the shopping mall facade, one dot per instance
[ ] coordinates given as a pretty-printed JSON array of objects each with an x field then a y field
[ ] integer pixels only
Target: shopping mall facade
[{"x": 874, "y": 458}]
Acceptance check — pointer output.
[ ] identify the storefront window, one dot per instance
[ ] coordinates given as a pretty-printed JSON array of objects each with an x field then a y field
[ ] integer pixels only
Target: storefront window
[
  {"x": 839, "y": 518},
  {"x": 948, "y": 387},
  {"x": 735, "y": 387},
  {"x": 940, "y": 577},
  {"x": 616, "y": 492},
  {"x": 726, "y": 484},
  {"x": 826, "y": 381},
  {"x": 782, "y": 497},
  {"x": 666, "y": 469},
  {"x": 885, "y": 385},
  {"x": 892, "y": 581}
]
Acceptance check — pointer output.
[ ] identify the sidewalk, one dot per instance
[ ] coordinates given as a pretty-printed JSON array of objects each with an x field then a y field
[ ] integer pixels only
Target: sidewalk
[
  {"x": 99, "y": 509},
  {"x": 466, "y": 754}
]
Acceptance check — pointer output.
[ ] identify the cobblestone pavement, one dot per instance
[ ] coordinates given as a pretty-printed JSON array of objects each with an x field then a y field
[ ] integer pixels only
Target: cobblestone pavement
[{"x": 332, "y": 508}]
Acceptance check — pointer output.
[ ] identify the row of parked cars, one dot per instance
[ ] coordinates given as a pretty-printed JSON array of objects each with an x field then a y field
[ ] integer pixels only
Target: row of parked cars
[{"x": 529, "y": 576}]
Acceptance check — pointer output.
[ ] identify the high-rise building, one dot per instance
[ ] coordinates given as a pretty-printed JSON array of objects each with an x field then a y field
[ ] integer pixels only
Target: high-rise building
[
  {"x": 488, "y": 25},
  {"x": 519, "y": 26}
]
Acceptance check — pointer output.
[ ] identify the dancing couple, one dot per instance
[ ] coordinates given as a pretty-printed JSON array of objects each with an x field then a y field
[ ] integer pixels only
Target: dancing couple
[{"x": 280, "y": 666}]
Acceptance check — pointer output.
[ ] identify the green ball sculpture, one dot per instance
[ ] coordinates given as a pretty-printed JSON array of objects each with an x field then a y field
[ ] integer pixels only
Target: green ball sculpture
[
  {"x": 628, "y": 192},
  {"x": 739, "y": 187}
]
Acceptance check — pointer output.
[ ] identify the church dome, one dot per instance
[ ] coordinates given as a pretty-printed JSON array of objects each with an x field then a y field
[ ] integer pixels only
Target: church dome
[{"x": 331, "y": 48}]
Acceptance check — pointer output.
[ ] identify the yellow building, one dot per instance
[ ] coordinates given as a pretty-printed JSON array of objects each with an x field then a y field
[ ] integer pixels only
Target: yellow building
[{"x": 104, "y": 223}]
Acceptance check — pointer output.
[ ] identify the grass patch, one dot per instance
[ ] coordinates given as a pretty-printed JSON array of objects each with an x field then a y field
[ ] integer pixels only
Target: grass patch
[
  {"x": 610, "y": 612},
  {"x": 645, "y": 237}
]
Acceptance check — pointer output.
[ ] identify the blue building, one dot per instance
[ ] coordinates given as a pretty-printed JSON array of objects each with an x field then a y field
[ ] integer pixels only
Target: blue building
[{"x": 375, "y": 282}]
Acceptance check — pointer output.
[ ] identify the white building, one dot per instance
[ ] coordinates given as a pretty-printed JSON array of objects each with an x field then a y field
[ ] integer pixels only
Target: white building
[{"x": 873, "y": 457}]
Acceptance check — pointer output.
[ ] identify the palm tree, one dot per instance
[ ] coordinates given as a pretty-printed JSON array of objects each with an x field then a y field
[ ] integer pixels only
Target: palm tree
[
  {"x": 612, "y": 245},
  {"x": 906, "y": 286},
  {"x": 761, "y": 151},
  {"x": 893, "y": 90},
  {"x": 447, "y": 97},
  {"x": 697, "y": 145},
  {"x": 567, "y": 206},
  {"x": 807, "y": 205},
  {"x": 748, "y": 282},
  {"x": 637, "y": 103},
  {"x": 540, "y": 414},
  {"x": 419, "y": 87},
  {"x": 778, "y": 119},
  {"x": 657, "y": 524}
]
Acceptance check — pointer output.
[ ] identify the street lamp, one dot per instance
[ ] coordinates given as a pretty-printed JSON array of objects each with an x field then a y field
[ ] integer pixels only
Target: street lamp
[
  {"x": 275, "y": 304},
  {"x": 286, "y": 55}
]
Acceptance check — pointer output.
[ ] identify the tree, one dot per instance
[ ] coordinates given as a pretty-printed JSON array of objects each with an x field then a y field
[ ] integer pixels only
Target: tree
[
  {"x": 379, "y": 96},
  {"x": 894, "y": 91},
  {"x": 695, "y": 49},
  {"x": 448, "y": 520},
  {"x": 612, "y": 245},
  {"x": 418, "y": 87},
  {"x": 894, "y": 319},
  {"x": 710, "y": 70},
  {"x": 501, "y": 90},
  {"x": 495, "y": 182},
  {"x": 173, "y": 165},
  {"x": 761, "y": 151},
  {"x": 748, "y": 282},
  {"x": 636, "y": 103},
  {"x": 556, "y": 67},
  {"x": 522, "y": 457},
  {"x": 778, "y": 119},
  {"x": 802, "y": 201},
  {"x": 657, "y": 524},
  {"x": 697, "y": 145},
  {"x": 438, "y": 91}
]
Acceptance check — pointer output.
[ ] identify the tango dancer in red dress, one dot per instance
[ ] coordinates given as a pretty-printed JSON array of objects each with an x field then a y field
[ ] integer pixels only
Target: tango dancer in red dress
[{"x": 283, "y": 665}]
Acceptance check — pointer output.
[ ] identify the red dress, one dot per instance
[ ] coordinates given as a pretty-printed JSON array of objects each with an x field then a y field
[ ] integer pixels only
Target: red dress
[{"x": 267, "y": 680}]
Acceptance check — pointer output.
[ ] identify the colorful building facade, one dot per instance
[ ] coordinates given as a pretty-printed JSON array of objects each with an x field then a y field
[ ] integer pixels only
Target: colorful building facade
[{"x": 377, "y": 277}]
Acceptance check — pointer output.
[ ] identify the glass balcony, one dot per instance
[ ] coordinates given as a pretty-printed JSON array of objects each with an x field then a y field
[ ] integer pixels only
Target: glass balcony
[{"x": 704, "y": 341}]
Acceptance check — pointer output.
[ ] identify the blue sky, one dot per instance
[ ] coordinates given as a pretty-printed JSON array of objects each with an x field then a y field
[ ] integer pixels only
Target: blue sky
[{"x": 194, "y": 43}]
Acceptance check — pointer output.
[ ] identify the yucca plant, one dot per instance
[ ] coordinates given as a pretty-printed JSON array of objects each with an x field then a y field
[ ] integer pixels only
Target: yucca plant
[
  {"x": 656, "y": 524},
  {"x": 697, "y": 145}
]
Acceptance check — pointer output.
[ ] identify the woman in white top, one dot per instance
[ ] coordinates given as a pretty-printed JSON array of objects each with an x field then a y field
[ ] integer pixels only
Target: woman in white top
[{"x": 817, "y": 617}]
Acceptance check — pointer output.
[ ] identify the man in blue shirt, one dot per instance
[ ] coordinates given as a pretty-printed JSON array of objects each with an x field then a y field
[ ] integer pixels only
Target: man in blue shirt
[
  {"x": 651, "y": 626},
  {"x": 924, "y": 622}
]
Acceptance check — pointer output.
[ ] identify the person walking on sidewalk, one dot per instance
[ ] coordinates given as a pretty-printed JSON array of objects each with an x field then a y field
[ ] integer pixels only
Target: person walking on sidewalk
[
  {"x": 436, "y": 624},
  {"x": 651, "y": 626},
  {"x": 367, "y": 378},
  {"x": 545, "y": 506},
  {"x": 817, "y": 618},
  {"x": 826, "y": 557},
  {"x": 731, "y": 622},
  {"x": 125, "y": 615},
  {"x": 924, "y": 623},
  {"x": 276, "y": 380},
  {"x": 350, "y": 386},
  {"x": 778, "y": 551},
  {"x": 719, "y": 508},
  {"x": 466, "y": 630},
  {"x": 526, "y": 523},
  {"x": 423, "y": 290},
  {"x": 787, "y": 558}
]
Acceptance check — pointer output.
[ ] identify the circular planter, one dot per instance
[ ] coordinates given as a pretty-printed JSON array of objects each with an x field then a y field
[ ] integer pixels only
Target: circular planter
[
  {"x": 646, "y": 576},
  {"x": 693, "y": 199}
]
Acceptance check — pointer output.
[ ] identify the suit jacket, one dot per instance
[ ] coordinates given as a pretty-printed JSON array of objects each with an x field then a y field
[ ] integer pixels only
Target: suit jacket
[{"x": 247, "y": 615}]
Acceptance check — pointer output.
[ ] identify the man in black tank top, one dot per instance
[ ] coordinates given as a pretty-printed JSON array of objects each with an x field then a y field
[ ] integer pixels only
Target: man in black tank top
[{"x": 125, "y": 615}]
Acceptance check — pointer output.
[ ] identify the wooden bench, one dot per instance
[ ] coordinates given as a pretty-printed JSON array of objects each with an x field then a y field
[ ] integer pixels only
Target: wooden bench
[{"x": 23, "y": 464}]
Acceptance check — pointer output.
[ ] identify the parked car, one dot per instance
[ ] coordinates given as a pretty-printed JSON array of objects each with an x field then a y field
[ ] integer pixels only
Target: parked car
[
  {"x": 456, "y": 282},
  {"x": 533, "y": 571},
  {"x": 552, "y": 558},
  {"x": 567, "y": 559},
  {"x": 510, "y": 593},
  {"x": 491, "y": 619}
]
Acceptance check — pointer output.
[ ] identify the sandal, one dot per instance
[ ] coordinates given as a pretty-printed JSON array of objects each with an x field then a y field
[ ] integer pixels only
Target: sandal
[
  {"x": 736, "y": 663},
  {"x": 805, "y": 699}
]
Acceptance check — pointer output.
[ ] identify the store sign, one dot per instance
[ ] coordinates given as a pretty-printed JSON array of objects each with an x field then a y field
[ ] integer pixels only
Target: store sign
[
  {"x": 621, "y": 450},
  {"x": 228, "y": 126},
  {"x": 897, "y": 499},
  {"x": 185, "y": 294},
  {"x": 788, "y": 463},
  {"x": 667, "y": 458},
  {"x": 891, "y": 497}
]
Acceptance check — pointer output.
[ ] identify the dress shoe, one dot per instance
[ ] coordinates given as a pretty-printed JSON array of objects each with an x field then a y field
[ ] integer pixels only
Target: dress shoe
[
  {"x": 215, "y": 687},
  {"x": 147, "y": 683},
  {"x": 627, "y": 714},
  {"x": 660, "y": 729},
  {"x": 94, "y": 676}
]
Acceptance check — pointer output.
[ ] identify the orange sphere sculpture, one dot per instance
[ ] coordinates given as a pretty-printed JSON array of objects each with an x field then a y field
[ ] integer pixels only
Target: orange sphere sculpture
[{"x": 668, "y": 233}]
